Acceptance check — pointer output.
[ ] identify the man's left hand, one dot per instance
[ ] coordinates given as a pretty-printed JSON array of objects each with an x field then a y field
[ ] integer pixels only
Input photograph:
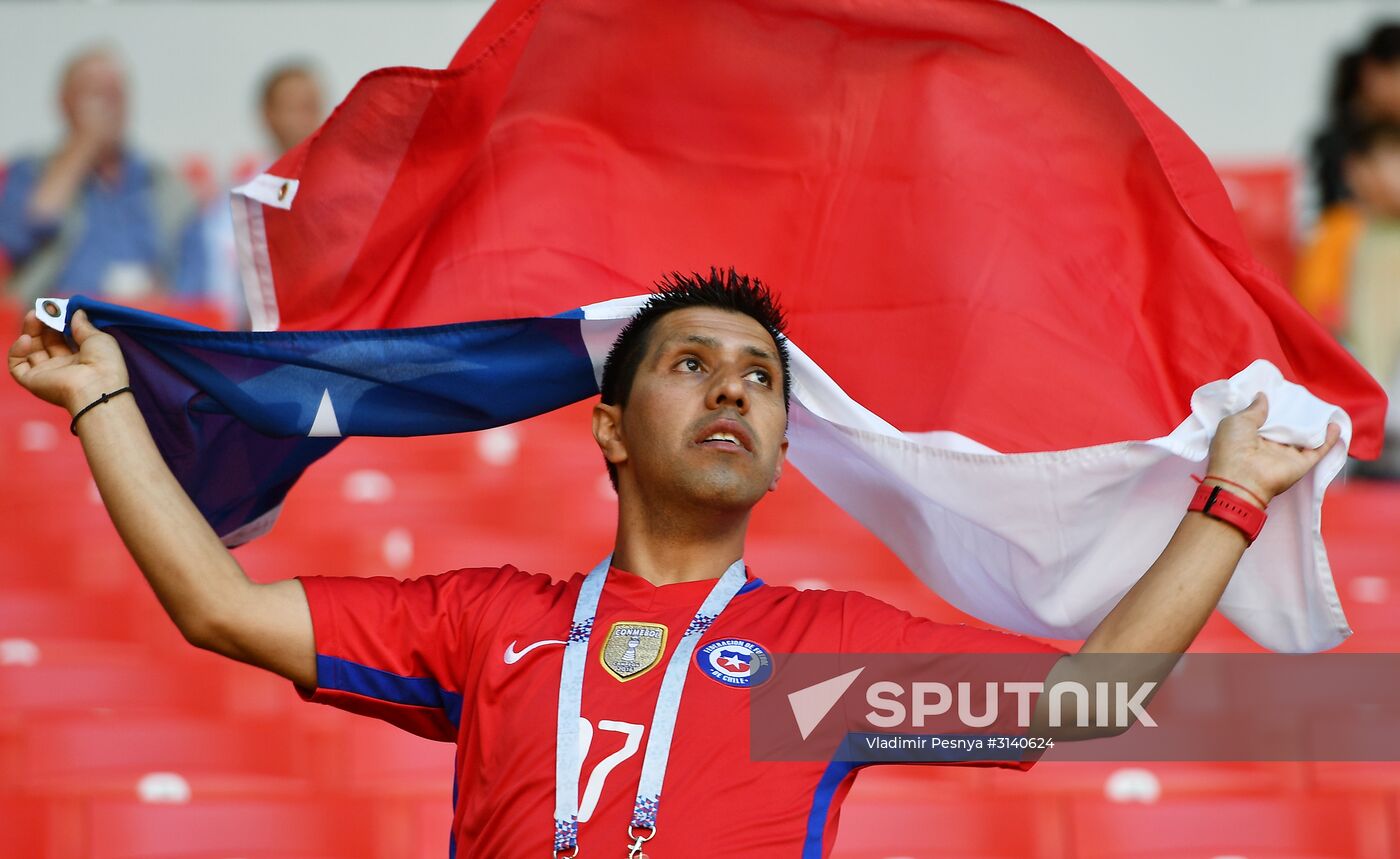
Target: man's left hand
[{"x": 1239, "y": 453}]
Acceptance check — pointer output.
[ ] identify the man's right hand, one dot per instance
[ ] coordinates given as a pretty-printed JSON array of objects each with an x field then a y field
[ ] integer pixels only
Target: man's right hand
[
  {"x": 198, "y": 582},
  {"x": 44, "y": 364}
]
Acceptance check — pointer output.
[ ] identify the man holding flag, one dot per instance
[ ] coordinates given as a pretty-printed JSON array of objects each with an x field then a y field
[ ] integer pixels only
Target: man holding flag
[
  {"x": 692, "y": 425},
  {"x": 1019, "y": 315}
]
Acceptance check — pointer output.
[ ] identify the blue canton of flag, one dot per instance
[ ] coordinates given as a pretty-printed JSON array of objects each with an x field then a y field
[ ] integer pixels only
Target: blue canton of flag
[{"x": 239, "y": 416}]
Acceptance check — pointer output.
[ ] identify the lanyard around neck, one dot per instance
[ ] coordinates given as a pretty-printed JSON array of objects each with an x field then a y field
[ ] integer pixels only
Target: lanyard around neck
[{"x": 568, "y": 757}]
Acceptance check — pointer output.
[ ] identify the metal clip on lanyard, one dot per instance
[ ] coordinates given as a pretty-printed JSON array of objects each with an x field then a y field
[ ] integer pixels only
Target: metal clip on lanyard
[{"x": 568, "y": 763}]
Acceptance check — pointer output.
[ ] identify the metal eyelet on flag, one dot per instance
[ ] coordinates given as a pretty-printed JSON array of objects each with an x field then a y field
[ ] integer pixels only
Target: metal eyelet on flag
[
  {"x": 282, "y": 191},
  {"x": 560, "y": 854}
]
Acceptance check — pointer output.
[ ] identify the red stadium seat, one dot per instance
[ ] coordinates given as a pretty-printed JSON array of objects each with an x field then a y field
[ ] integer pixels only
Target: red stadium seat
[
  {"x": 107, "y": 753},
  {"x": 249, "y": 829},
  {"x": 1262, "y": 195},
  {"x": 1356, "y": 777},
  {"x": 407, "y": 778},
  {"x": 426, "y": 833},
  {"x": 1355, "y": 769},
  {"x": 60, "y": 539},
  {"x": 922, "y": 782},
  {"x": 1151, "y": 780},
  {"x": 375, "y": 757},
  {"x": 925, "y": 828},
  {"x": 48, "y": 615},
  {"x": 1362, "y": 509},
  {"x": 21, "y": 827},
  {"x": 116, "y": 677},
  {"x": 1368, "y": 584},
  {"x": 1295, "y": 827}
]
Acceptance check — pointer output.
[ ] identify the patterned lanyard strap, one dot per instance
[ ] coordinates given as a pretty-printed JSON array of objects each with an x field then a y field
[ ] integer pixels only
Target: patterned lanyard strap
[{"x": 568, "y": 762}]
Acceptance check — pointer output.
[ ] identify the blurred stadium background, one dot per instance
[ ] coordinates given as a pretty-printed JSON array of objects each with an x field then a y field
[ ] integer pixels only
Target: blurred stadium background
[{"x": 118, "y": 740}]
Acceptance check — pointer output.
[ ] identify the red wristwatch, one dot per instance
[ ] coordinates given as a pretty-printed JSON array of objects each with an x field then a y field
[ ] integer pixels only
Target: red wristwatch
[{"x": 1228, "y": 507}]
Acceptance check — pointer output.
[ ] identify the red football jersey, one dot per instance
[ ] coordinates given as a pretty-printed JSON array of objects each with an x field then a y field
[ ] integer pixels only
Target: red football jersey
[{"x": 473, "y": 656}]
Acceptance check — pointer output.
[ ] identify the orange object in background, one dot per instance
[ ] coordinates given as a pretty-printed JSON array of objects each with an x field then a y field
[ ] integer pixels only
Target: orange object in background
[{"x": 1324, "y": 266}]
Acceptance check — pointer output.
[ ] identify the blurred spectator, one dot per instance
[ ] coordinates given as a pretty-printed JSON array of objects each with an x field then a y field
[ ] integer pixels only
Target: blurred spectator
[
  {"x": 1352, "y": 277},
  {"x": 292, "y": 108},
  {"x": 4, "y": 258},
  {"x": 1348, "y": 275},
  {"x": 1365, "y": 87},
  {"x": 1371, "y": 322},
  {"x": 92, "y": 216},
  {"x": 292, "y": 104}
]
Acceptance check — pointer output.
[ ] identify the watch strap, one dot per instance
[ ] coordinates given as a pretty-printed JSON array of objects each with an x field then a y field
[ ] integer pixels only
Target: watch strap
[{"x": 1220, "y": 503}]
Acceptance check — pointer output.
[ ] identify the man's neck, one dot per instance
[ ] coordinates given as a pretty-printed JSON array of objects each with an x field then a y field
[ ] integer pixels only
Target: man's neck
[{"x": 677, "y": 546}]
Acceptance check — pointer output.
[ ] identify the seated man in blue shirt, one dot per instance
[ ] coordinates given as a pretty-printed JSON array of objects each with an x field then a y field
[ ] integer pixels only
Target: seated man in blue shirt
[{"x": 91, "y": 217}]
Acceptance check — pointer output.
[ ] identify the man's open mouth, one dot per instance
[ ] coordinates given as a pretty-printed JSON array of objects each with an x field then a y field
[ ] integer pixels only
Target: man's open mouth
[{"x": 726, "y": 433}]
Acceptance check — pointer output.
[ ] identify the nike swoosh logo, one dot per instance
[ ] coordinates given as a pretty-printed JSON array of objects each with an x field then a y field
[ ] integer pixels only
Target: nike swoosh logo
[{"x": 513, "y": 656}]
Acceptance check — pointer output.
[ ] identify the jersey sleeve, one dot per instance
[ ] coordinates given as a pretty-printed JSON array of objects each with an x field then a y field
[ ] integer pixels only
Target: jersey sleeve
[
  {"x": 397, "y": 649},
  {"x": 955, "y": 653}
]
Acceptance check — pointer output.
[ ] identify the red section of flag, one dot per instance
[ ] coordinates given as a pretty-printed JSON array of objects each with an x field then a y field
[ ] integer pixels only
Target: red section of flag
[{"x": 976, "y": 224}]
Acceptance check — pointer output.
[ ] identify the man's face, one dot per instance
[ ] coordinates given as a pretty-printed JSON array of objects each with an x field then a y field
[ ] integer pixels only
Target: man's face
[
  {"x": 293, "y": 110},
  {"x": 1380, "y": 88},
  {"x": 1375, "y": 178},
  {"x": 705, "y": 418},
  {"x": 93, "y": 97}
]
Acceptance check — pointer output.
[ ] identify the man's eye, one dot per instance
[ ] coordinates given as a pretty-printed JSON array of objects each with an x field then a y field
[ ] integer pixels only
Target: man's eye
[
  {"x": 691, "y": 365},
  {"x": 763, "y": 377}
]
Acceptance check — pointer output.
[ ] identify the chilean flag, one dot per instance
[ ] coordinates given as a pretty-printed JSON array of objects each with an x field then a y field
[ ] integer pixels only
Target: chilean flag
[
  {"x": 733, "y": 661},
  {"x": 1020, "y": 301}
]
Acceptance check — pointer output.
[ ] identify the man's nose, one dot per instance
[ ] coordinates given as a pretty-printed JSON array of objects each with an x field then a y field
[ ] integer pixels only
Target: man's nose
[{"x": 728, "y": 389}]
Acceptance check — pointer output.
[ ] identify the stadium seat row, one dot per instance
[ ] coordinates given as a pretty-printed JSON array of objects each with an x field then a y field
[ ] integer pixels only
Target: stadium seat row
[{"x": 345, "y": 827}]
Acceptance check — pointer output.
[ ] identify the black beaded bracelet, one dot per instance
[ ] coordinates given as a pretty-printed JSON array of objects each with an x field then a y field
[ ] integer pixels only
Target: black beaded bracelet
[{"x": 73, "y": 427}]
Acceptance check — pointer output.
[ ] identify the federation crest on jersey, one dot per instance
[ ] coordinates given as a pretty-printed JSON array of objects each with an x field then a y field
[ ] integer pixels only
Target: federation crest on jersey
[
  {"x": 632, "y": 648},
  {"x": 734, "y": 662}
]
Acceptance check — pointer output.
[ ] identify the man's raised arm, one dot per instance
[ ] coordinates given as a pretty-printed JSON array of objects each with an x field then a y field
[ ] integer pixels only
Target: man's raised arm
[
  {"x": 1166, "y": 609},
  {"x": 200, "y": 584}
]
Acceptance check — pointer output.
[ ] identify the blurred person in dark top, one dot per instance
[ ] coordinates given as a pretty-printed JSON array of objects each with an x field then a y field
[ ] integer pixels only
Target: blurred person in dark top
[
  {"x": 1365, "y": 91},
  {"x": 292, "y": 106},
  {"x": 1365, "y": 87},
  {"x": 91, "y": 216}
]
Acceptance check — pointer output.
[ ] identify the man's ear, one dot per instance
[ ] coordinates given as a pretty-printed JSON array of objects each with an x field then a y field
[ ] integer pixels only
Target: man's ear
[
  {"x": 778, "y": 469},
  {"x": 607, "y": 431}
]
